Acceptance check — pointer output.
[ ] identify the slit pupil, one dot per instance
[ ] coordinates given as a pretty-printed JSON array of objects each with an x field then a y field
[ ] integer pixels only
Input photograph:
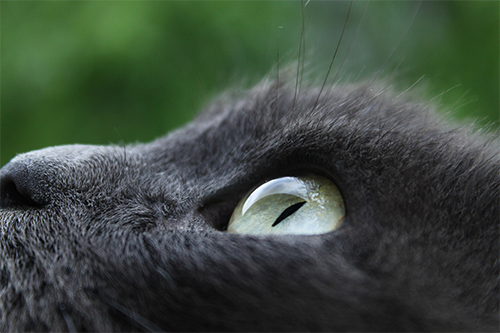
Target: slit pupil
[{"x": 287, "y": 212}]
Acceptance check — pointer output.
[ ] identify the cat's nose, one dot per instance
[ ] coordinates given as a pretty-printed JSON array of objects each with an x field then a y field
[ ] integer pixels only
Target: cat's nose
[
  {"x": 19, "y": 186},
  {"x": 44, "y": 176}
]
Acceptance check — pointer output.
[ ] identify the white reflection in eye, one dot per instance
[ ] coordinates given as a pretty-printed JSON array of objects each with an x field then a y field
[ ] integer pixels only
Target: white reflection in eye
[{"x": 285, "y": 185}]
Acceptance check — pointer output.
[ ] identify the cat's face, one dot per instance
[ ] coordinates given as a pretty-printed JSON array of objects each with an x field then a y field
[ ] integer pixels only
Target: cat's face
[{"x": 103, "y": 238}]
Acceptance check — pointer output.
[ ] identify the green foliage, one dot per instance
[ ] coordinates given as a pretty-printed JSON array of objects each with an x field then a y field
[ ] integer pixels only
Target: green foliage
[
  {"x": 101, "y": 72},
  {"x": 111, "y": 72}
]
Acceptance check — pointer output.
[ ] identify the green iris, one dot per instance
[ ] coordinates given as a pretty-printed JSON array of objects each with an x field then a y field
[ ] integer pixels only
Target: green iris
[{"x": 305, "y": 205}]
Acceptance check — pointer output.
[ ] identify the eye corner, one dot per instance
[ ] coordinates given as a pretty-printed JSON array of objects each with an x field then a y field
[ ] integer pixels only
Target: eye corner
[{"x": 217, "y": 213}]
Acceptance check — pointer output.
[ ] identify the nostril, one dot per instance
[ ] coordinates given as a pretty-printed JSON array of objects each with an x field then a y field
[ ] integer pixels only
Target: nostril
[
  {"x": 10, "y": 196},
  {"x": 14, "y": 187}
]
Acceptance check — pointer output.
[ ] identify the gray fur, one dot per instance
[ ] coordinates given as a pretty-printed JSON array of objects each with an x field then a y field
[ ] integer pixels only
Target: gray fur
[{"x": 129, "y": 238}]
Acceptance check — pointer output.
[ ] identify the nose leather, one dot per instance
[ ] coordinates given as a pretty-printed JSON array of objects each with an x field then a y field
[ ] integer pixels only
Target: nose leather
[{"x": 18, "y": 186}]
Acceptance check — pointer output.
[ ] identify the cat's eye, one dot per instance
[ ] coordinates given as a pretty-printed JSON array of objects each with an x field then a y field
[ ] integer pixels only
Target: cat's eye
[{"x": 304, "y": 205}]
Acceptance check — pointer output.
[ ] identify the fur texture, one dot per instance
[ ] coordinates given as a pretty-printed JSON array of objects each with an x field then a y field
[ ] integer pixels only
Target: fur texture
[{"x": 98, "y": 238}]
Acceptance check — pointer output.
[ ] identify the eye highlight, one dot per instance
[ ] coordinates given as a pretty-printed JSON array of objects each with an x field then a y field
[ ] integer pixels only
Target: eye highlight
[{"x": 305, "y": 205}]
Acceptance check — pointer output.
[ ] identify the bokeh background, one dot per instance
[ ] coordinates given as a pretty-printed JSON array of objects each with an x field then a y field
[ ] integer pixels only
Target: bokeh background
[{"x": 116, "y": 72}]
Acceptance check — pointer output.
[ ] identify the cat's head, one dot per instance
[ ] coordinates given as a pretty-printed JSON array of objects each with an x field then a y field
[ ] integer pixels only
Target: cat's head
[{"x": 101, "y": 238}]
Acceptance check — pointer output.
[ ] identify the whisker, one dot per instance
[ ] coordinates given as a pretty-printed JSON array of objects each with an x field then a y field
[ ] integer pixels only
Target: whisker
[
  {"x": 301, "y": 43},
  {"x": 278, "y": 67},
  {"x": 397, "y": 44},
  {"x": 303, "y": 47},
  {"x": 334, "y": 55},
  {"x": 352, "y": 42}
]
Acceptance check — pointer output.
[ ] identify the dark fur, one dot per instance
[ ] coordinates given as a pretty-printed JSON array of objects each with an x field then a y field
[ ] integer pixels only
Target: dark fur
[{"x": 128, "y": 238}]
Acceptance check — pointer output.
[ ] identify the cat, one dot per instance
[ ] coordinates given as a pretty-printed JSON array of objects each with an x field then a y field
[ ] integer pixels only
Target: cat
[
  {"x": 129, "y": 238},
  {"x": 136, "y": 237}
]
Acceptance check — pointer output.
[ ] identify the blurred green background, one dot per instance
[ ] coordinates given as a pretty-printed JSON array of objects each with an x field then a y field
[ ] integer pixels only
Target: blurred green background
[{"x": 113, "y": 72}]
